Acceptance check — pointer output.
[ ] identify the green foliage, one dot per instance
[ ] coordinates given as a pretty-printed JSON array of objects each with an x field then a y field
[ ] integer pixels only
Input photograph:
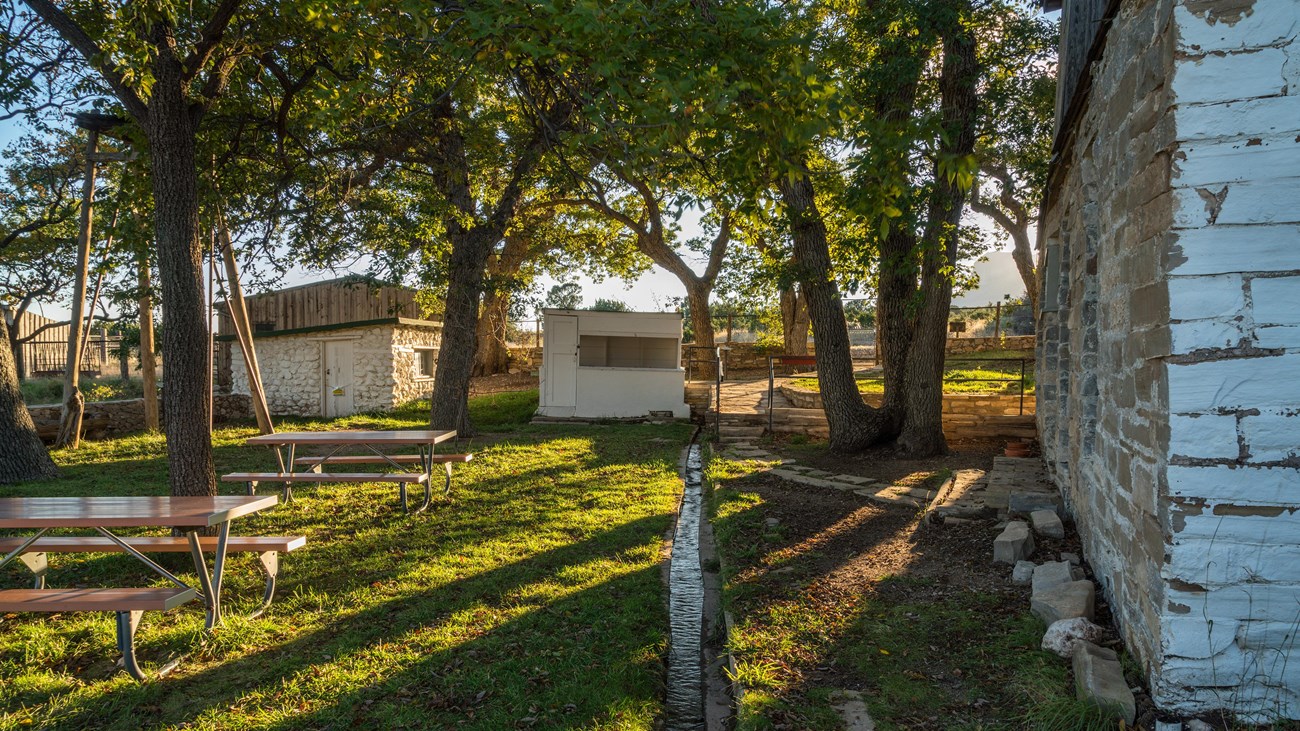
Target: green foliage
[
  {"x": 610, "y": 305},
  {"x": 564, "y": 296}
]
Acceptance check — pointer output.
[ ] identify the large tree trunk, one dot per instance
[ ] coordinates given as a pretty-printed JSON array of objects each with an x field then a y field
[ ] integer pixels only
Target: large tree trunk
[
  {"x": 697, "y": 299},
  {"x": 1023, "y": 255},
  {"x": 794, "y": 321},
  {"x": 22, "y": 455},
  {"x": 854, "y": 426},
  {"x": 469, "y": 254},
  {"x": 187, "y": 410},
  {"x": 493, "y": 355},
  {"x": 922, "y": 433}
]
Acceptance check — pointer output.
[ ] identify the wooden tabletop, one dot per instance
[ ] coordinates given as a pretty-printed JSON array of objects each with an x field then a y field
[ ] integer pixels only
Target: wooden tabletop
[
  {"x": 123, "y": 512},
  {"x": 413, "y": 436}
]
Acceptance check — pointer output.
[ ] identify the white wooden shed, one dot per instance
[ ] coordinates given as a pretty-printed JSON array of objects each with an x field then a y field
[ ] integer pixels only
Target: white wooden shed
[{"x": 612, "y": 365}]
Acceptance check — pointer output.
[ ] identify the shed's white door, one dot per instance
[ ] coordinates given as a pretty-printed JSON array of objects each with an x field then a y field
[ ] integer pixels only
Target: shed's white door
[
  {"x": 562, "y": 362},
  {"x": 338, "y": 399}
]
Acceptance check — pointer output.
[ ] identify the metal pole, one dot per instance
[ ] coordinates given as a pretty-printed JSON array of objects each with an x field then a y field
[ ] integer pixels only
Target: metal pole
[
  {"x": 771, "y": 390},
  {"x": 1022, "y": 386},
  {"x": 717, "y": 409}
]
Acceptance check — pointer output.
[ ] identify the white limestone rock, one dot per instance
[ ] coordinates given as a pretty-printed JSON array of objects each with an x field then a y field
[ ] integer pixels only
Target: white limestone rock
[{"x": 1062, "y": 636}]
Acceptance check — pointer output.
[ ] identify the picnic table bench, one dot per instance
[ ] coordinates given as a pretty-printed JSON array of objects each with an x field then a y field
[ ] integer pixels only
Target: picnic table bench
[
  {"x": 42, "y": 514},
  {"x": 286, "y": 444},
  {"x": 267, "y": 548}
]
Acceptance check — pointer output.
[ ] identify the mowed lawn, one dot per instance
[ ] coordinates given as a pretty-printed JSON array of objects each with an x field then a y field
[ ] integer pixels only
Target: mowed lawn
[{"x": 532, "y": 599}]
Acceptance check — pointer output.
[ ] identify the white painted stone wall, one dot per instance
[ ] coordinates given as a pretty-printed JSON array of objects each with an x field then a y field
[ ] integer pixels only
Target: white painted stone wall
[
  {"x": 1169, "y": 379},
  {"x": 384, "y": 367},
  {"x": 1232, "y": 604}
]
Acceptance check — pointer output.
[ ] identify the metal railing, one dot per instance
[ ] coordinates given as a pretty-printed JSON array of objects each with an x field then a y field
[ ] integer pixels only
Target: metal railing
[
  {"x": 788, "y": 360},
  {"x": 1017, "y": 374},
  {"x": 1012, "y": 376},
  {"x": 719, "y": 370}
]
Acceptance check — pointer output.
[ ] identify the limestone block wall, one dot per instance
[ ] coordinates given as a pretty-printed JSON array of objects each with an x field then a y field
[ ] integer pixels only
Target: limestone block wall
[
  {"x": 103, "y": 419},
  {"x": 1232, "y": 601},
  {"x": 408, "y": 344},
  {"x": 1167, "y": 379},
  {"x": 1102, "y": 402},
  {"x": 384, "y": 372}
]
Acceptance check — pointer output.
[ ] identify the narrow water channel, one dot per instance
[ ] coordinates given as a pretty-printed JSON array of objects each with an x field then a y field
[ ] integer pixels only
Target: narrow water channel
[{"x": 685, "y": 703}]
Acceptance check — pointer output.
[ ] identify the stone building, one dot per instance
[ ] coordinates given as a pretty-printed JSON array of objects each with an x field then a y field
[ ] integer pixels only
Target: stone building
[
  {"x": 335, "y": 348},
  {"x": 1169, "y": 337}
]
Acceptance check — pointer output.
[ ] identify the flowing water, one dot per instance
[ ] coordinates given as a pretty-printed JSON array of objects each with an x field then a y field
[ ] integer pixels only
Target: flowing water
[{"x": 685, "y": 704}]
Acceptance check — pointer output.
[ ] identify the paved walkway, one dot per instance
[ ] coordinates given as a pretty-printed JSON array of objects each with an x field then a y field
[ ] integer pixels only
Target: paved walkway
[{"x": 748, "y": 397}]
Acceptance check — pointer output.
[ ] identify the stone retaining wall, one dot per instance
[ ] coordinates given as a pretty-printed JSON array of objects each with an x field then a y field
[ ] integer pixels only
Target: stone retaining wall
[
  {"x": 970, "y": 404},
  {"x": 1021, "y": 343},
  {"x": 105, "y": 419}
]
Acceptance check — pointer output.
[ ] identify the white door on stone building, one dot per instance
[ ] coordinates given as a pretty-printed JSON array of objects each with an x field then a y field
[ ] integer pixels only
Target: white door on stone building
[{"x": 338, "y": 379}]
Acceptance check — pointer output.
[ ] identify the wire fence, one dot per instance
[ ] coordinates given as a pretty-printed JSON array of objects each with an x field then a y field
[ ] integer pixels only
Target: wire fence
[{"x": 764, "y": 328}]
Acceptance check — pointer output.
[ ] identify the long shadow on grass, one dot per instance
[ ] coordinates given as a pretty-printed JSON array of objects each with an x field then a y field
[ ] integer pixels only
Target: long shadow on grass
[
  {"x": 583, "y": 640},
  {"x": 819, "y": 597}
]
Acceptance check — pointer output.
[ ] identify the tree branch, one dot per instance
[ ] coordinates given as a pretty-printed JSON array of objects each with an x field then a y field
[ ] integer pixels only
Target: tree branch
[
  {"x": 209, "y": 38},
  {"x": 77, "y": 37}
]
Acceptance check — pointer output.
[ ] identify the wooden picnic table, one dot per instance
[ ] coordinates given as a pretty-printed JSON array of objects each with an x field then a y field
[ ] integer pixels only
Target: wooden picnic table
[
  {"x": 375, "y": 442},
  {"x": 102, "y": 513}
]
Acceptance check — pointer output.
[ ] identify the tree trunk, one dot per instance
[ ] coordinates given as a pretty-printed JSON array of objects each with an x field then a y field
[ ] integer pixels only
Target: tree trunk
[
  {"x": 73, "y": 403},
  {"x": 854, "y": 426},
  {"x": 794, "y": 321},
  {"x": 922, "y": 433},
  {"x": 469, "y": 254},
  {"x": 1022, "y": 254},
  {"x": 187, "y": 409},
  {"x": 22, "y": 455},
  {"x": 12, "y": 321},
  {"x": 148, "y": 365},
  {"x": 493, "y": 356}
]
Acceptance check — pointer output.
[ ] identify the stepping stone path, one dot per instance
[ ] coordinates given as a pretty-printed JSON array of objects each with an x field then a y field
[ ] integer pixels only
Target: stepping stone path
[
  {"x": 737, "y": 444},
  {"x": 1013, "y": 484}
]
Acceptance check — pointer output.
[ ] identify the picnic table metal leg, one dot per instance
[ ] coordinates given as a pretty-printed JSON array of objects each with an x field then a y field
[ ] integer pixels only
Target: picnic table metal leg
[
  {"x": 22, "y": 548},
  {"x": 211, "y": 584},
  {"x": 127, "y": 622},
  {"x": 38, "y": 564},
  {"x": 270, "y": 563}
]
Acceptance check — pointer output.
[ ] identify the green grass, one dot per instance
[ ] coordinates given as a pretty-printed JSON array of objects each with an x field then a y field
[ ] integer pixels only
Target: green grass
[
  {"x": 532, "y": 598},
  {"x": 924, "y": 654},
  {"x": 37, "y": 391},
  {"x": 995, "y": 378}
]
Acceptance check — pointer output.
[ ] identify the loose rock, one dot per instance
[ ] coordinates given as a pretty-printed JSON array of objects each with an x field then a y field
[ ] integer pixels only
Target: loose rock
[
  {"x": 1023, "y": 573},
  {"x": 1050, "y": 574},
  {"x": 1070, "y": 558},
  {"x": 1062, "y": 636},
  {"x": 1047, "y": 523},
  {"x": 1099, "y": 678},
  {"x": 1064, "y": 601},
  {"x": 1014, "y": 544}
]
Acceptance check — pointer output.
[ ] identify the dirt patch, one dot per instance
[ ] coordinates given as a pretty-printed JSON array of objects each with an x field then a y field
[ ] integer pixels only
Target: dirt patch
[
  {"x": 832, "y": 592},
  {"x": 501, "y": 382}
]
